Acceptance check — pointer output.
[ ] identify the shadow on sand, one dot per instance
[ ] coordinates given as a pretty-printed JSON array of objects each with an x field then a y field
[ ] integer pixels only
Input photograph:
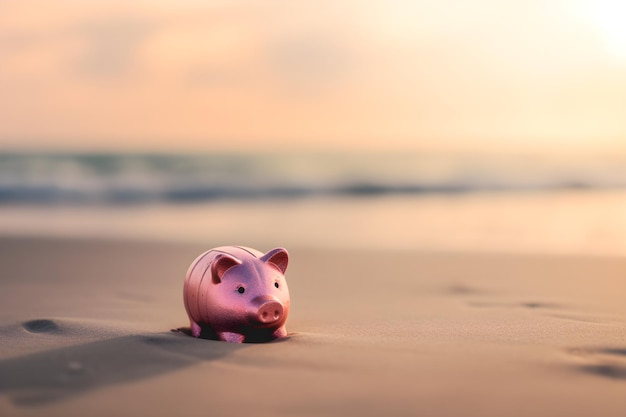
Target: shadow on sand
[{"x": 58, "y": 374}]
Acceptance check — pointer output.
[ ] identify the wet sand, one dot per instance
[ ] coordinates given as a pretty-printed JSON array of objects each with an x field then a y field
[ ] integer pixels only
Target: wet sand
[{"x": 85, "y": 330}]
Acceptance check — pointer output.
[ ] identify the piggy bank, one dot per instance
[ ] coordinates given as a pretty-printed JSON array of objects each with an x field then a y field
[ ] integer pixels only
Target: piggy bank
[{"x": 238, "y": 293}]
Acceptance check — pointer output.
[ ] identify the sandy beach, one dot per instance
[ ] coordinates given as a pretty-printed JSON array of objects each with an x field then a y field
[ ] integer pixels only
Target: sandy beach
[
  {"x": 85, "y": 329},
  {"x": 449, "y": 179}
]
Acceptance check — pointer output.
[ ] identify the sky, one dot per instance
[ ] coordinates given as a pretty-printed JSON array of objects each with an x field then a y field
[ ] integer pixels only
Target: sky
[{"x": 381, "y": 74}]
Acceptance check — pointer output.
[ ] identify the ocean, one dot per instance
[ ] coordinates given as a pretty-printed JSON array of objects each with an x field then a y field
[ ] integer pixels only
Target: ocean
[
  {"x": 139, "y": 179},
  {"x": 384, "y": 201}
]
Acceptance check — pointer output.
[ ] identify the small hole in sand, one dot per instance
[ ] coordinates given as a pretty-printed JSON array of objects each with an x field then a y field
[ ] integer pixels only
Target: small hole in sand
[{"x": 40, "y": 326}]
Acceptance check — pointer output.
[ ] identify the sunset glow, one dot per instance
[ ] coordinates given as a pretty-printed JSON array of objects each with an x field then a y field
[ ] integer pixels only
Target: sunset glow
[
  {"x": 320, "y": 75},
  {"x": 607, "y": 17}
]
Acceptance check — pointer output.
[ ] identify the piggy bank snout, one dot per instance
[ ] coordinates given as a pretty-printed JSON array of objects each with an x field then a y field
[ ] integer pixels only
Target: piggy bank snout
[{"x": 270, "y": 312}]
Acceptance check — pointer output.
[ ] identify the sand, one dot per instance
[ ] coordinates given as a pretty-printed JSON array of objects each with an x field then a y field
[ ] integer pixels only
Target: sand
[{"x": 85, "y": 331}]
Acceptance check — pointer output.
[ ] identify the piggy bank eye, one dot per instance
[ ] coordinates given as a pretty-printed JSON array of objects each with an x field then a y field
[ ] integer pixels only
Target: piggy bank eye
[
  {"x": 276, "y": 284},
  {"x": 241, "y": 290}
]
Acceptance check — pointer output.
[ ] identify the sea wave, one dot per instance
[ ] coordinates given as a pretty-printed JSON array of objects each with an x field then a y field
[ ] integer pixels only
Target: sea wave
[{"x": 118, "y": 179}]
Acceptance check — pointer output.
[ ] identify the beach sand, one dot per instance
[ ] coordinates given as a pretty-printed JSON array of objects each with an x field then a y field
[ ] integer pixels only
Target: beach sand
[{"x": 85, "y": 329}]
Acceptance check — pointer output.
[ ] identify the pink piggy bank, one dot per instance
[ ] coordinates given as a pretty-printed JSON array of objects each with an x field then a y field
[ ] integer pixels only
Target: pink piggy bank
[{"x": 239, "y": 293}]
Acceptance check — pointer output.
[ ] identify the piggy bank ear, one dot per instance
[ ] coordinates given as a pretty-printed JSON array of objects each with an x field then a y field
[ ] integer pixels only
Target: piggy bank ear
[
  {"x": 222, "y": 263},
  {"x": 279, "y": 257}
]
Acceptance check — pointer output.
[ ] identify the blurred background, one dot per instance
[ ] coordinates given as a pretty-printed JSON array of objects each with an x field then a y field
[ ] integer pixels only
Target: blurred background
[{"x": 433, "y": 125}]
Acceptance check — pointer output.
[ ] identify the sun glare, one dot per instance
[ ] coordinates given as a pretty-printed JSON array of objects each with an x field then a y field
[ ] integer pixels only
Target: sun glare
[{"x": 608, "y": 17}]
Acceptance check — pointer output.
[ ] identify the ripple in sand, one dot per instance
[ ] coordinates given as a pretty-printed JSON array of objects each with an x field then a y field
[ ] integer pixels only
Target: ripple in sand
[
  {"x": 460, "y": 289},
  {"x": 592, "y": 319},
  {"x": 527, "y": 304},
  {"x": 606, "y": 362}
]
